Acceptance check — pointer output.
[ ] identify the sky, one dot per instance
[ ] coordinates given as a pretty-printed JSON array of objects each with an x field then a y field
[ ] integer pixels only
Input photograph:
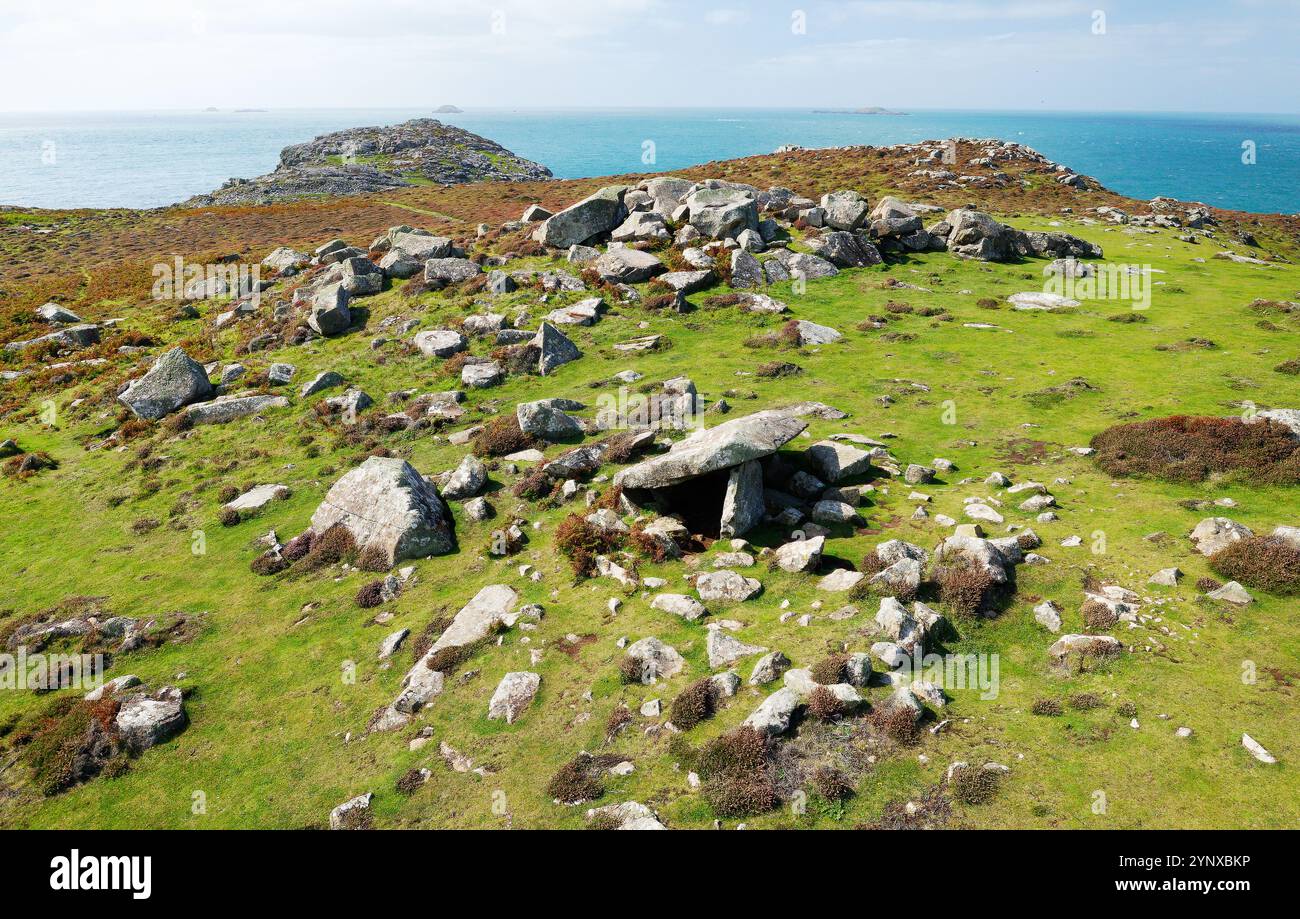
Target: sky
[{"x": 1145, "y": 55}]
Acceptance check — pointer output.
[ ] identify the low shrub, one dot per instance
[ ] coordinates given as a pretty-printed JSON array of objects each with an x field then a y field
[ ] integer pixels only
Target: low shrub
[
  {"x": 824, "y": 705},
  {"x": 447, "y": 660},
  {"x": 735, "y": 774},
  {"x": 371, "y": 595},
  {"x": 580, "y": 542},
  {"x": 1208, "y": 585},
  {"x": 1050, "y": 707},
  {"x": 1290, "y": 368},
  {"x": 269, "y": 562},
  {"x": 229, "y": 517},
  {"x": 69, "y": 743},
  {"x": 694, "y": 704},
  {"x": 1127, "y": 709},
  {"x": 897, "y": 722},
  {"x": 830, "y": 669},
  {"x": 374, "y": 557},
  {"x": 974, "y": 785},
  {"x": 536, "y": 485},
  {"x": 618, "y": 719},
  {"x": 576, "y": 781},
  {"x": 410, "y": 781},
  {"x": 1097, "y": 616},
  {"x": 964, "y": 589},
  {"x": 502, "y": 436},
  {"x": 1085, "y": 701},
  {"x": 298, "y": 547},
  {"x": 1266, "y": 563},
  {"x": 630, "y": 669},
  {"x": 337, "y": 544},
  {"x": 776, "y": 369},
  {"x": 831, "y": 784},
  {"x": 1184, "y": 448}
]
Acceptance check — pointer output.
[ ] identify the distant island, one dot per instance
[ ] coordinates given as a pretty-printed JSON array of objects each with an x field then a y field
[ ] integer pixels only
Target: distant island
[
  {"x": 868, "y": 110},
  {"x": 447, "y": 110}
]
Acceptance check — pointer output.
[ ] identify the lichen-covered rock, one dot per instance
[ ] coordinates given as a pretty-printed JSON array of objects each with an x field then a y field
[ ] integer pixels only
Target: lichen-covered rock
[
  {"x": 1215, "y": 533},
  {"x": 385, "y": 503},
  {"x": 659, "y": 661},
  {"x": 146, "y": 720},
  {"x": 800, "y": 555},
  {"x": 742, "y": 503},
  {"x": 554, "y": 349},
  {"x": 175, "y": 380},
  {"x": 577, "y": 223},
  {"x": 724, "y": 649},
  {"x": 224, "y": 409},
  {"x": 329, "y": 313},
  {"x": 467, "y": 480},
  {"x": 513, "y": 694},
  {"x": 727, "y": 586}
]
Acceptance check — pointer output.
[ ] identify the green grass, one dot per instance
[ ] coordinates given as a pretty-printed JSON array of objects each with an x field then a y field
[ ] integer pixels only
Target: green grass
[{"x": 276, "y": 738}]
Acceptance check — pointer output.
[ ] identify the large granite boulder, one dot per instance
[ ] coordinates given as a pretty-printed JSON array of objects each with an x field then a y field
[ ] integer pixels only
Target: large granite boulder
[
  {"x": 590, "y": 217},
  {"x": 490, "y": 608},
  {"x": 1215, "y": 533},
  {"x": 628, "y": 266},
  {"x": 546, "y": 420},
  {"x": 440, "y": 342},
  {"x": 146, "y": 720},
  {"x": 708, "y": 450},
  {"x": 439, "y": 272},
  {"x": 845, "y": 250},
  {"x": 554, "y": 348},
  {"x": 384, "y": 502},
  {"x": 467, "y": 480},
  {"x": 773, "y": 716},
  {"x": 658, "y": 660},
  {"x": 513, "y": 694},
  {"x": 722, "y": 212},
  {"x": 228, "y": 408},
  {"x": 835, "y": 461},
  {"x": 175, "y": 379},
  {"x": 845, "y": 210},
  {"x": 892, "y": 217},
  {"x": 329, "y": 313},
  {"x": 976, "y": 235},
  {"x": 422, "y": 245},
  {"x": 801, "y": 555}
]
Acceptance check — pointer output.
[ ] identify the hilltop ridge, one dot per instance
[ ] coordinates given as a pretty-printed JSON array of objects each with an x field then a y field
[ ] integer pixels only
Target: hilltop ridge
[{"x": 422, "y": 151}]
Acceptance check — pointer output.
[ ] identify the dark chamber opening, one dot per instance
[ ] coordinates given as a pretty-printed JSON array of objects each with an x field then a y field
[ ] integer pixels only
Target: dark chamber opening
[{"x": 697, "y": 501}]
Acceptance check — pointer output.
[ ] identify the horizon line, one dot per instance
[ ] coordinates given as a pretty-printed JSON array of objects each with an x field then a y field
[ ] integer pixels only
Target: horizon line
[{"x": 901, "y": 111}]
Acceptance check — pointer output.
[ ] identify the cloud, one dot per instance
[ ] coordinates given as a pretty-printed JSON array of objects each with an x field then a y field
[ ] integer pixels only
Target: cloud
[
  {"x": 726, "y": 17},
  {"x": 967, "y": 10}
]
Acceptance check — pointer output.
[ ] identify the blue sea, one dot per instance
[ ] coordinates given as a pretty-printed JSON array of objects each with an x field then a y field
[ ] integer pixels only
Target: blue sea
[{"x": 152, "y": 159}]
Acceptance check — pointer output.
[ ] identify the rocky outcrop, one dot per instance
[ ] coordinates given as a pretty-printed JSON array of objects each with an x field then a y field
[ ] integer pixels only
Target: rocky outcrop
[{"x": 362, "y": 160}]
